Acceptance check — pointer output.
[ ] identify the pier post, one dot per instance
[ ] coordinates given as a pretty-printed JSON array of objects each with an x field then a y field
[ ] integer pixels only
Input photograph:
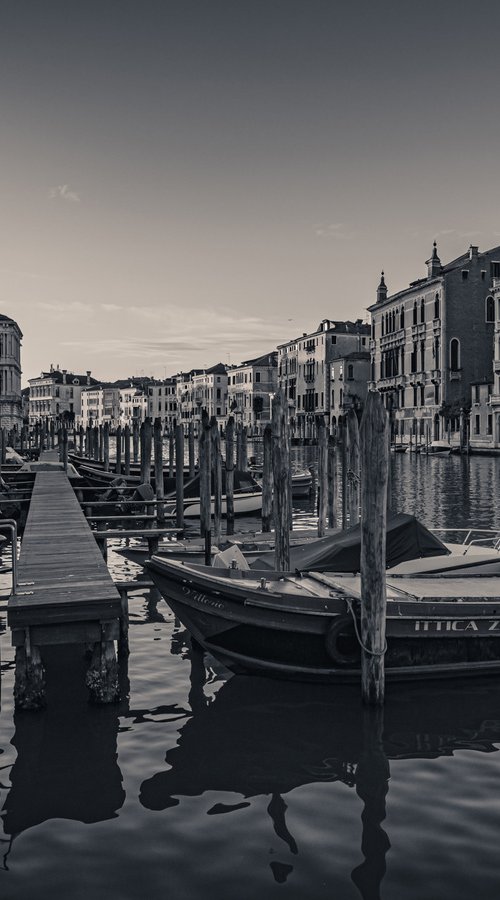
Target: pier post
[
  {"x": 267, "y": 479},
  {"x": 238, "y": 446},
  {"x": 281, "y": 466},
  {"x": 244, "y": 448},
  {"x": 230, "y": 476},
  {"x": 216, "y": 467},
  {"x": 343, "y": 460},
  {"x": 118, "y": 464},
  {"x": 171, "y": 453},
  {"x": 29, "y": 678},
  {"x": 96, "y": 443},
  {"x": 126, "y": 449},
  {"x": 374, "y": 465},
  {"x": 81, "y": 435},
  {"x": 322, "y": 477},
  {"x": 205, "y": 487},
  {"x": 332, "y": 483},
  {"x": 65, "y": 448},
  {"x": 191, "y": 449},
  {"x": 179, "y": 476},
  {"x": 158, "y": 455},
  {"x": 101, "y": 443},
  {"x": 135, "y": 440},
  {"x": 123, "y": 643},
  {"x": 146, "y": 451},
  {"x": 102, "y": 675},
  {"x": 105, "y": 445},
  {"x": 353, "y": 433}
]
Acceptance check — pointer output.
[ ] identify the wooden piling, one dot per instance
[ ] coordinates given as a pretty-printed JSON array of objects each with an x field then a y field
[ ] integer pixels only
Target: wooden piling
[
  {"x": 343, "y": 463},
  {"x": 81, "y": 435},
  {"x": 179, "y": 476},
  {"x": 374, "y": 465},
  {"x": 158, "y": 456},
  {"x": 135, "y": 440},
  {"x": 216, "y": 467},
  {"x": 281, "y": 483},
  {"x": 101, "y": 443},
  {"x": 267, "y": 479},
  {"x": 118, "y": 465},
  {"x": 171, "y": 453},
  {"x": 230, "y": 476},
  {"x": 332, "y": 484},
  {"x": 244, "y": 449},
  {"x": 29, "y": 678},
  {"x": 146, "y": 452},
  {"x": 105, "y": 446},
  {"x": 205, "y": 487},
  {"x": 102, "y": 675},
  {"x": 353, "y": 463},
  {"x": 191, "y": 449},
  {"x": 322, "y": 478},
  {"x": 126, "y": 449},
  {"x": 64, "y": 454}
]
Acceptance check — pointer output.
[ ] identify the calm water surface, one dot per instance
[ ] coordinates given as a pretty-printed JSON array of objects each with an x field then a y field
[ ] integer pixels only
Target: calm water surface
[{"x": 203, "y": 785}]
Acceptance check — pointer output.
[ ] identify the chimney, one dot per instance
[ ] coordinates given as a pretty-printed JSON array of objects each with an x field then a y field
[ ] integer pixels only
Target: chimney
[
  {"x": 473, "y": 251},
  {"x": 64, "y": 372},
  {"x": 88, "y": 375}
]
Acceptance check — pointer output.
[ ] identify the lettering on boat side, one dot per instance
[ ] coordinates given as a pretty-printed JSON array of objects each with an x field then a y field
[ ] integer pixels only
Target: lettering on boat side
[
  {"x": 201, "y": 598},
  {"x": 458, "y": 625}
]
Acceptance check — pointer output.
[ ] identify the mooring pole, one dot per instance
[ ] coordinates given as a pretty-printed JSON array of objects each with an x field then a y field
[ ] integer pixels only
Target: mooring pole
[
  {"x": 118, "y": 462},
  {"x": 205, "y": 487},
  {"x": 126, "y": 449},
  {"x": 158, "y": 455},
  {"x": 281, "y": 481},
  {"x": 191, "y": 449},
  {"x": 267, "y": 479},
  {"x": 105, "y": 445},
  {"x": 322, "y": 478},
  {"x": 179, "y": 476},
  {"x": 353, "y": 431},
  {"x": 230, "y": 476},
  {"x": 216, "y": 466},
  {"x": 374, "y": 465}
]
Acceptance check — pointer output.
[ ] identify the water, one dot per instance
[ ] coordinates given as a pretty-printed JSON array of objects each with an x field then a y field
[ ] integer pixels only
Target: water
[{"x": 203, "y": 785}]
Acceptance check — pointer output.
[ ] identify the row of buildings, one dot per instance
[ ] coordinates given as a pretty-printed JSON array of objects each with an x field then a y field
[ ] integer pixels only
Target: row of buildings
[{"x": 432, "y": 349}]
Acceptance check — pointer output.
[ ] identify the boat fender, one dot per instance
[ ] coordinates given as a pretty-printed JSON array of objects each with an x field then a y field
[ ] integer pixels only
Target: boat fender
[{"x": 342, "y": 626}]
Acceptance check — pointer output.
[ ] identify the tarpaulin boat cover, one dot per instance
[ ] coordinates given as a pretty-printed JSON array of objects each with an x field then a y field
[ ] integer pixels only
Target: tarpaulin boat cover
[{"x": 407, "y": 538}]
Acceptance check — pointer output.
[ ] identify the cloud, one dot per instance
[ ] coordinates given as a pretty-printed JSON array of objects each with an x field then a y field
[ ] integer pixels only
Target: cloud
[
  {"x": 111, "y": 307},
  {"x": 74, "y": 306},
  {"x": 334, "y": 231},
  {"x": 63, "y": 192}
]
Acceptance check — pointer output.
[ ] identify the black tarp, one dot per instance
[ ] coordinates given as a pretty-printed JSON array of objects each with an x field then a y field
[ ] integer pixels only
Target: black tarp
[{"x": 406, "y": 539}]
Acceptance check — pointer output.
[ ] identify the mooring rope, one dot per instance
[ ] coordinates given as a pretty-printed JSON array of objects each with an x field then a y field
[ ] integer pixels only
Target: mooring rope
[{"x": 360, "y": 642}]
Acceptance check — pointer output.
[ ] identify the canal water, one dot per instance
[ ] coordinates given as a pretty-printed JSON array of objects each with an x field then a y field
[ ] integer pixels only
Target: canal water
[{"x": 203, "y": 786}]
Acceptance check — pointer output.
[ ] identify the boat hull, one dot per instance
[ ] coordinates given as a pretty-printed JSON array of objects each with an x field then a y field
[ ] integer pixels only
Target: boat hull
[{"x": 257, "y": 622}]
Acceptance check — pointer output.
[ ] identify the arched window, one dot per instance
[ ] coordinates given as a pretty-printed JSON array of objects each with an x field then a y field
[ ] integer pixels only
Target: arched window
[
  {"x": 490, "y": 309},
  {"x": 350, "y": 372},
  {"x": 415, "y": 313},
  {"x": 454, "y": 354},
  {"x": 436, "y": 306},
  {"x": 422, "y": 310},
  {"x": 402, "y": 320}
]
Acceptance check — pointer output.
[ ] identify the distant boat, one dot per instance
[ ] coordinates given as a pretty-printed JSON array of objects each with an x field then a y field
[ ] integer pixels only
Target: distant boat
[
  {"x": 439, "y": 448},
  {"x": 399, "y": 448}
]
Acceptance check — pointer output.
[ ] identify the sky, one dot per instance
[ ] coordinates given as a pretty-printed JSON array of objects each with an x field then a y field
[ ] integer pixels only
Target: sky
[{"x": 187, "y": 182}]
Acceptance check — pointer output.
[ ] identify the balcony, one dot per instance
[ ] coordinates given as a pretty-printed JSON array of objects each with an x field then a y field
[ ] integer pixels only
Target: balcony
[{"x": 496, "y": 366}]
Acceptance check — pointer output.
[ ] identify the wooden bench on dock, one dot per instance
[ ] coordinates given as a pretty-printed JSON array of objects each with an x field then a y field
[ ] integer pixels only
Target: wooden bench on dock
[{"x": 64, "y": 594}]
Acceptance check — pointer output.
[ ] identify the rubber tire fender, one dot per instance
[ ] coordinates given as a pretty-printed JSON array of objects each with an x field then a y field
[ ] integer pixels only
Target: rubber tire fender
[{"x": 342, "y": 625}]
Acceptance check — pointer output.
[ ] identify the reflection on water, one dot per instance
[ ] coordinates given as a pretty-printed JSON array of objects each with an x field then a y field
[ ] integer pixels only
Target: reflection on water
[{"x": 200, "y": 784}]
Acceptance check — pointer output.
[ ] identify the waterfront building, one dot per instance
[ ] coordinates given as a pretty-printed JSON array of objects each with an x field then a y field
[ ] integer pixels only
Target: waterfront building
[
  {"x": 100, "y": 404},
  {"x": 349, "y": 376},
  {"x": 10, "y": 374},
  {"x": 495, "y": 396},
  {"x": 185, "y": 396},
  {"x": 485, "y": 397},
  {"x": 431, "y": 341},
  {"x": 304, "y": 371},
  {"x": 162, "y": 402},
  {"x": 251, "y": 387},
  {"x": 55, "y": 396},
  {"x": 133, "y": 401}
]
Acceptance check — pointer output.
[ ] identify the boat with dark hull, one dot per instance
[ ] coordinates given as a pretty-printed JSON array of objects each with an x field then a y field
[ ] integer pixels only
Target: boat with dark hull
[{"x": 306, "y": 625}]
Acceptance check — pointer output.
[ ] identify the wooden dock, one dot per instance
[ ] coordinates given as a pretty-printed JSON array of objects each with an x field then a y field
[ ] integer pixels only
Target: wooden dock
[{"x": 64, "y": 594}]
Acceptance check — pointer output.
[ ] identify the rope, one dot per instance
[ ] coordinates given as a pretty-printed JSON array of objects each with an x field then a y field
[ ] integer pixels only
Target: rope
[{"x": 358, "y": 636}]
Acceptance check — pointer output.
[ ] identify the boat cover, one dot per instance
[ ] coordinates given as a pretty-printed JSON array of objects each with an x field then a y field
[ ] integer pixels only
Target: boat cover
[{"x": 407, "y": 538}]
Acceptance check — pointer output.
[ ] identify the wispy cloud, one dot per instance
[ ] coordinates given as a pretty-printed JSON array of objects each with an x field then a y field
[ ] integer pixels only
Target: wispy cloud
[
  {"x": 63, "y": 192},
  {"x": 60, "y": 308},
  {"x": 111, "y": 307},
  {"x": 336, "y": 231}
]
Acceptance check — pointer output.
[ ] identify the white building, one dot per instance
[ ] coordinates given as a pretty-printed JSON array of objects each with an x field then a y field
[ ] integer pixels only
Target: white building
[{"x": 10, "y": 374}]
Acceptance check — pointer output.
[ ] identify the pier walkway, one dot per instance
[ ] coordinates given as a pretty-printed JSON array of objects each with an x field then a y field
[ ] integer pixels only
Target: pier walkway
[{"x": 64, "y": 593}]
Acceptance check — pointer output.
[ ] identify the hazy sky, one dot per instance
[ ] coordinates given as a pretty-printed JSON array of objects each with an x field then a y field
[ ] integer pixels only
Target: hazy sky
[{"x": 185, "y": 182}]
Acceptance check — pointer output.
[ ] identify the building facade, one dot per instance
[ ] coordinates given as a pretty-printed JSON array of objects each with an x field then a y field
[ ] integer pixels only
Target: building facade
[
  {"x": 56, "y": 395},
  {"x": 100, "y": 404},
  {"x": 349, "y": 376},
  {"x": 305, "y": 371},
  {"x": 162, "y": 402},
  {"x": 431, "y": 341},
  {"x": 11, "y": 412},
  {"x": 251, "y": 388}
]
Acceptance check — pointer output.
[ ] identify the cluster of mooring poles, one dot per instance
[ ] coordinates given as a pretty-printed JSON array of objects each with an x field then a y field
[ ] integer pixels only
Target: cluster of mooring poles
[{"x": 360, "y": 451}]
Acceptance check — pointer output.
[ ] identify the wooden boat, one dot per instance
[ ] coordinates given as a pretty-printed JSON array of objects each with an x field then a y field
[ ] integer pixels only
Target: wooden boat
[
  {"x": 302, "y": 481},
  {"x": 439, "y": 448},
  {"x": 306, "y": 626}
]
